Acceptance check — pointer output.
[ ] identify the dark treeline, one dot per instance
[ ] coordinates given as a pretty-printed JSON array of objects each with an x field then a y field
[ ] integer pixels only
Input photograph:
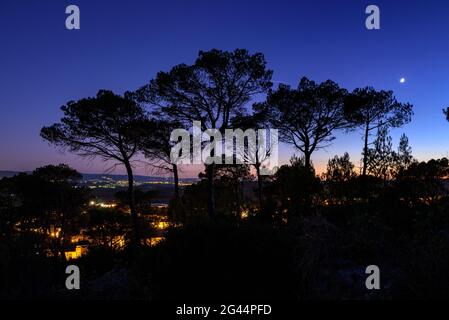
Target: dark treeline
[{"x": 236, "y": 233}]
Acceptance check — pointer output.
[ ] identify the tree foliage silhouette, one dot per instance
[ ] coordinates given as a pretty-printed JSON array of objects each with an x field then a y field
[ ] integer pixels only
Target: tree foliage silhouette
[
  {"x": 339, "y": 178},
  {"x": 403, "y": 157},
  {"x": 107, "y": 227},
  {"x": 308, "y": 116},
  {"x": 251, "y": 152},
  {"x": 370, "y": 109},
  {"x": 157, "y": 146},
  {"x": 295, "y": 198},
  {"x": 339, "y": 169},
  {"x": 213, "y": 90},
  {"x": 103, "y": 126},
  {"x": 49, "y": 200},
  {"x": 380, "y": 156}
]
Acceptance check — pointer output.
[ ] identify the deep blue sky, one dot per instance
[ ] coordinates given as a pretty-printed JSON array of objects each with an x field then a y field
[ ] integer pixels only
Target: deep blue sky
[{"x": 122, "y": 44}]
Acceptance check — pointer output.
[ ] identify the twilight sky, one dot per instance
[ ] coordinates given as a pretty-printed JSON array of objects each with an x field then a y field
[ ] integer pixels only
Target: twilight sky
[{"x": 122, "y": 44}]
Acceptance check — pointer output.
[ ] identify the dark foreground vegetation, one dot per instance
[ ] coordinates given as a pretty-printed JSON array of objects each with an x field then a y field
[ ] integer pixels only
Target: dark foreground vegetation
[{"x": 307, "y": 248}]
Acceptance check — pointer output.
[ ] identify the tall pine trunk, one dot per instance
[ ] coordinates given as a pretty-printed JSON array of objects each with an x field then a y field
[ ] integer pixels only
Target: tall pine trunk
[
  {"x": 365, "y": 151},
  {"x": 307, "y": 155},
  {"x": 259, "y": 185},
  {"x": 178, "y": 213},
  {"x": 210, "y": 190},
  {"x": 132, "y": 205},
  {"x": 176, "y": 178}
]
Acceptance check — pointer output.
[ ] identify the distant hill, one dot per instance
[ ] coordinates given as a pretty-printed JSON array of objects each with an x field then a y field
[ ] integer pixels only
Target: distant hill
[
  {"x": 8, "y": 174},
  {"x": 110, "y": 177},
  {"x": 137, "y": 178}
]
